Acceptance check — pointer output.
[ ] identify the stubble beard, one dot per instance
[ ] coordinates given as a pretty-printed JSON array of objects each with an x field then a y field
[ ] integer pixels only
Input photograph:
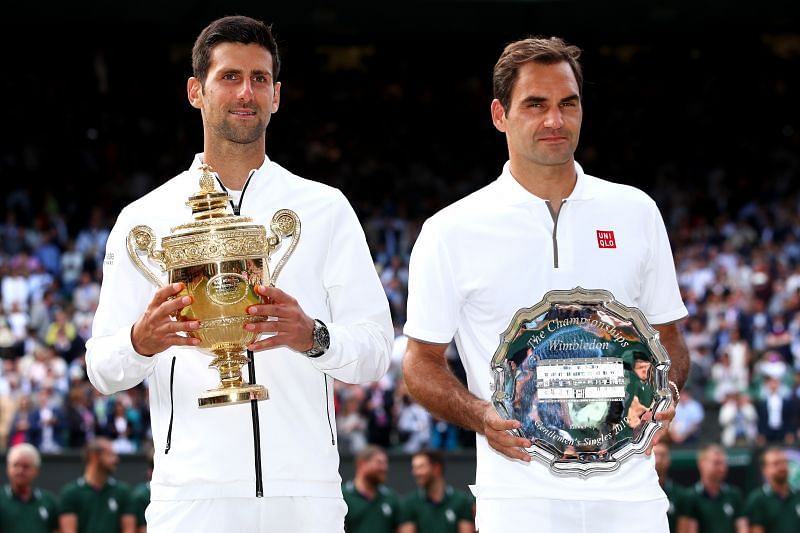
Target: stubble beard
[{"x": 241, "y": 134}]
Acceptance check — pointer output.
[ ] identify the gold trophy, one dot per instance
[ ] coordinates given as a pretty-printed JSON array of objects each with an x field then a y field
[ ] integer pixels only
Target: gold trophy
[{"x": 220, "y": 258}]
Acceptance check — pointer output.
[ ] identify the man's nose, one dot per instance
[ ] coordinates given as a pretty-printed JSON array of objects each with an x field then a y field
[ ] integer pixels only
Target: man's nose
[
  {"x": 246, "y": 89},
  {"x": 554, "y": 120}
]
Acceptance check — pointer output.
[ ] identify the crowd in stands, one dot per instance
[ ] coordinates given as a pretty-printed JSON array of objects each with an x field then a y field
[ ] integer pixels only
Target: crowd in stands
[{"x": 732, "y": 208}]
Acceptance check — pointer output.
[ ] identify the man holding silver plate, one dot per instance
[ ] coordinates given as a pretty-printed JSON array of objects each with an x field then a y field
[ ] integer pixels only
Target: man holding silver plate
[
  {"x": 236, "y": 454},
  {"x": 559, "y": 289}
]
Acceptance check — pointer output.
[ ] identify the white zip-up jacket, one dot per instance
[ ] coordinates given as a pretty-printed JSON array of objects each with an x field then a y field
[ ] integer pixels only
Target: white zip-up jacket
[{"x": 332, "y": 276}]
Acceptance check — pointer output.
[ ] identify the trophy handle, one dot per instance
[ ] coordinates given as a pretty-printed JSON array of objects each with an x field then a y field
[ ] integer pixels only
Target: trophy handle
[
  {"x": 285, "y": 223},
  {"x": 142, "y": 238}
]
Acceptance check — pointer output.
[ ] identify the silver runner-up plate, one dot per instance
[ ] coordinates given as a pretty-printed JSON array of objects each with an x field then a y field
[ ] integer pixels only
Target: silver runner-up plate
[{"x": 585, "y": 376}]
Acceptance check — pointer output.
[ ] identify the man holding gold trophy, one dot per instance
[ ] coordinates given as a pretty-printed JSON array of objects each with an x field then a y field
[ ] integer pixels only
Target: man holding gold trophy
[
  {"x": 559, "y": 289},
  {"x": 235, "y": 276}
]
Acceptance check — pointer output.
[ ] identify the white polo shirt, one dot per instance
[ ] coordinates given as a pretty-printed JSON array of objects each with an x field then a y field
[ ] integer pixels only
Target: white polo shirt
[{"x": 500, "y": 249}]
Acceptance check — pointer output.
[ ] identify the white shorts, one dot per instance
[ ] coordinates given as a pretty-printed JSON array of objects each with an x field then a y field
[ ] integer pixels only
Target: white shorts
[
  {"x": 571, "y": 516},
  {"x": 248, "y": 515}
]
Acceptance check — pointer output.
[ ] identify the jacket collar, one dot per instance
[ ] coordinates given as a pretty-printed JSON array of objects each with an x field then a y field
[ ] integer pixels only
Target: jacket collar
[
  {"x": 513, "y": 193},
  {"x": 259, "y": 173}
]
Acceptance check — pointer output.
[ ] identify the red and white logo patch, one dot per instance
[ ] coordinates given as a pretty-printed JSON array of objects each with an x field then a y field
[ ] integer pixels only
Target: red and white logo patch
[{"x": 605, "y": 239}]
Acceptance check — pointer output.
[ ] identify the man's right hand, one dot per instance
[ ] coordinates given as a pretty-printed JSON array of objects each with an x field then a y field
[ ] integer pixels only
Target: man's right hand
[
  {"x": 496, "y": 431},
  {"x": 156, "y": 330}
]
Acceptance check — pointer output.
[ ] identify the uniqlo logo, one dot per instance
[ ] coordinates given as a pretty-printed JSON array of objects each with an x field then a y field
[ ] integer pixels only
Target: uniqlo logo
[{"x": 605, "y": 239}]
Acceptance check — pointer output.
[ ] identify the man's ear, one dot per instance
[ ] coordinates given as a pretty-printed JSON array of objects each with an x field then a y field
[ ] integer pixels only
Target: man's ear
[
  {"x": 498, "y": 115},
  {"x": 276, "y": 98},
  {"x": 194, "y": 92}
]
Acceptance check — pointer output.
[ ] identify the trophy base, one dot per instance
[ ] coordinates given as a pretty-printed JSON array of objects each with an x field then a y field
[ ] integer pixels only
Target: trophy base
[{"x": 232, "y": 395}]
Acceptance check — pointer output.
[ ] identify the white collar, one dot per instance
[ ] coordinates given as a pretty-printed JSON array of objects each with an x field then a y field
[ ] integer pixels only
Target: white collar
[{"x": 513, "y": 193}]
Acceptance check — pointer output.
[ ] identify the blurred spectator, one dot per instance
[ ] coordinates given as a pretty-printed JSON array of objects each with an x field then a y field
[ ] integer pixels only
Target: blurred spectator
[
  {"x": 91, "y": 241},
  {"x": 80, "y": 421},
  {"x": 379, "y": 409},
  {"x": 62, "y": 335},
  {"x": 674, "y": 492},
  {"x": 435, "y": 506},
  {"x": 685, "y": 427},
  {"x": 372, "y": 507},
  {"x": 738, "y": 420},
  {"x": 413, "y": 422},
  {"x": 71, "y": 266},
  {"x": 140, "y": 496},
  {"x": 351, "y": 424},
  {"x": 712, "y": 504},
  {"x": 775, "y": 415},
  {"x": 120, "y": 429},
  {"x": 725, "y": 379},
  {"x": 24, "y": 508},
  {"x": 774, "y": 506},
  {"x": 50, "y": 421},
  {"x": 25, "y": 426},
  {"x": 96, "y": 502},
  {"x": 14, "y": 287},
  {"x": 771, "y": 365}
]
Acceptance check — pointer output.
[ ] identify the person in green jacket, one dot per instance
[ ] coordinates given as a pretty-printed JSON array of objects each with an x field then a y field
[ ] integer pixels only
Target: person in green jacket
[
  {"x": 372, "y": 507},
  {"x": 96, "y": 502},
  {"x": 23, "y": 507},
  {"x": 435, "y": 506},
  {"x": 674, "y": 492},
  {"x": 774, "y": 507},
  {"x": 712, "y": 506}
]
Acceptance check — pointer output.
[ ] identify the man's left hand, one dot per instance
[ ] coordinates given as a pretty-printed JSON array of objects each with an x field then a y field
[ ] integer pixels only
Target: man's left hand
[
  {"x": 665, "y": 417},
  {"x": 290, "y": 325}
]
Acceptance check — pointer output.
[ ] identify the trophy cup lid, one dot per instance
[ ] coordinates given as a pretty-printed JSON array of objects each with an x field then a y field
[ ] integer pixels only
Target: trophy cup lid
[{"x": 210, "y": 207}]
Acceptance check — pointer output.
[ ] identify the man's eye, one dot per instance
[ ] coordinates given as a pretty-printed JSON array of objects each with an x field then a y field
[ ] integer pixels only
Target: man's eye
[
  {"x": 260, "y": 79},
  {"x": 229, "y": 77}
]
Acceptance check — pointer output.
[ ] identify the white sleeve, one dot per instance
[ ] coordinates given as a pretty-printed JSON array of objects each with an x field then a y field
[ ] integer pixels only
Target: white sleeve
[
  {"x": 111, "y": 362},
  {"x": 361, "y": 327},
  {"x": 434, "y": 302},
  {"x": 661, "y": 298}
]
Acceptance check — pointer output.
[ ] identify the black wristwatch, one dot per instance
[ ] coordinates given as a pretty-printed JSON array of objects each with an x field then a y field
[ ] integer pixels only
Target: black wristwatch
[{"x": 322, "y": 340}]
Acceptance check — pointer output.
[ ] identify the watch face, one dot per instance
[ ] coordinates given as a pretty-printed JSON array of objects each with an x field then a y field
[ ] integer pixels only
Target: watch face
[{"x": 323, "y": 338}]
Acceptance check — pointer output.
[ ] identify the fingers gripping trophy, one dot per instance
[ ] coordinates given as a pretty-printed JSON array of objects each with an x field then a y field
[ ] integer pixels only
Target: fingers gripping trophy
[{"x": 219, "y": 258}]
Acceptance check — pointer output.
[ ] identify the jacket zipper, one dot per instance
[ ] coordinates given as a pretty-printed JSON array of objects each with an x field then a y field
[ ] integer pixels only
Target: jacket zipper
[
  {"x": 555, "y": 216},
  {"x": 251, "y": 370}
]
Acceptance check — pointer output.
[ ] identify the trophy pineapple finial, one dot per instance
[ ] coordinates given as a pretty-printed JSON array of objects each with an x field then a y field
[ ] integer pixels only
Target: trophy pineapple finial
[
  {"x": 208, "y": 202},
  {"x": 206, "y": 178}
]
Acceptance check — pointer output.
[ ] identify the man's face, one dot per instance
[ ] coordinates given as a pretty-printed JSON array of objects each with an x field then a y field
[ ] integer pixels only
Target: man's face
[
  {"x": 642, "y": 369},
  {"x": 375, "y": 468},
  {"x": 239, "y": 95},
  {"x": 107, "y": 458},
  {"x": 663, "y": 459},
  {"x": 714, "y": 466},
  {"x": 423, "y": 471},
  {"x": 21, "y": 470},
  {"x": 776, "y": 467},
  {"x": 543, "y": 121}
]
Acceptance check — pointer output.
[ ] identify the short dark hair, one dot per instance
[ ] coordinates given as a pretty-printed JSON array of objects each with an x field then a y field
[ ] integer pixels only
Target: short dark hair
[
  {"x": 235, "y": 29},
  {"x": 435, "y": 457},
  {"x": 543, "y": 50},
  {"x": 770, "y": 449},
  {"x": 368, "y": 452},
  {"x": 94, "y": 446}
]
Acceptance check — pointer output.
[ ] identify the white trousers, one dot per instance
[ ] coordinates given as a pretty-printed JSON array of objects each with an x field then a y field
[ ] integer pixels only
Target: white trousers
[
  {"x": 247, "y": 515},
  {"x": 536, "y": 515}
]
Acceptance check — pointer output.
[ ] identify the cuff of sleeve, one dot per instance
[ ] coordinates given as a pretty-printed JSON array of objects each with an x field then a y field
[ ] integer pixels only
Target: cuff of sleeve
[
  {"x": 127, "y": 349},
  {"x": 428, "y": 336},
  {"x": 333, "y": 350},
  {"x": 667, "y": 318}
]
